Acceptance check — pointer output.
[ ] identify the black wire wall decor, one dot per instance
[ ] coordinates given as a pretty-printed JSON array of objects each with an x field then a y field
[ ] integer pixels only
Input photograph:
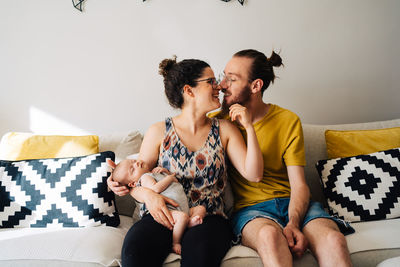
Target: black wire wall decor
[{"x": 78, "y": 3}]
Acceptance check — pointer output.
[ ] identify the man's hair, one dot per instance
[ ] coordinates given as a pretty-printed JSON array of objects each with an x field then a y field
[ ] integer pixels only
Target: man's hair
[{"x": 262, "y": 67}]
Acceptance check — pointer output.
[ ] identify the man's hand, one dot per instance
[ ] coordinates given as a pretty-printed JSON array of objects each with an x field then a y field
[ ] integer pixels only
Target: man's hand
[
  {"x": 296, "y": 240},
  {"x": 120, "y": 190},
  {"x": 241, "y": 115},
  {"x": 156, "y": 204}
]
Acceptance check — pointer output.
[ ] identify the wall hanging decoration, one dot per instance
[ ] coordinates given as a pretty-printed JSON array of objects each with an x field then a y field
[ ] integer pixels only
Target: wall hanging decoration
[
  {"x": 78, "y": 3},
  {"x": 240, "y": 1}
]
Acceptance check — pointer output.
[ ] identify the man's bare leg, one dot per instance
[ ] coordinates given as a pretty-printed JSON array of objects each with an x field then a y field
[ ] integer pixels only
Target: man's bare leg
[
  {"x": 197, "y": 215},
  {"x": 327, "y": 243},
  {"x": 181, "y": 221},
  {"x": 266, "y": 237}
]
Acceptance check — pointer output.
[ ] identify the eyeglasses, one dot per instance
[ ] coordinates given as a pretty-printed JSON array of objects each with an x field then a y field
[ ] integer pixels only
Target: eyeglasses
[
  {"x": 227, "y": 79},
  {"x": 212, "y": 81}
]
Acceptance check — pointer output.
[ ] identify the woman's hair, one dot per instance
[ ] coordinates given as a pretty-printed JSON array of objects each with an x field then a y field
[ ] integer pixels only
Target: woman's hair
[
  {"x": 177, "y": 75},
  {"x": 262, "y": 67}
]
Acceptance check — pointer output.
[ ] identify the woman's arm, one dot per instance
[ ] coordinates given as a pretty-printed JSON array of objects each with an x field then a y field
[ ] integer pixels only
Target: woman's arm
[
  {"x": 155, "y": 203},
  {"x": 247, "y": 160}
]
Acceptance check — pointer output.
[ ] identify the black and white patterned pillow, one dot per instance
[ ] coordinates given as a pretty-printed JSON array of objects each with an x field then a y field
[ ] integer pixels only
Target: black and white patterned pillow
[
  {"x": 364, "y": 187},
  {"x": 63, "y": 192}
]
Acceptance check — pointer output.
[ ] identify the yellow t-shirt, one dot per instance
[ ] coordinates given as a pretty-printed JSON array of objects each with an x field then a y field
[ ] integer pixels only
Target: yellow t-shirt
[{"x": 280, "y": 136}]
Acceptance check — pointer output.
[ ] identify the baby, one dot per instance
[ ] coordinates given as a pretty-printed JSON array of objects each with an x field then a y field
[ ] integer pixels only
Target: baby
[{"x": 131, "y": 172}]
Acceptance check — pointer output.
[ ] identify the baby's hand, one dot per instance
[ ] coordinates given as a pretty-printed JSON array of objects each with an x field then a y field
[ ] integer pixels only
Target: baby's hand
[
  {"x": 172, "y": 177},
  {"x": 160, "y": 170}
]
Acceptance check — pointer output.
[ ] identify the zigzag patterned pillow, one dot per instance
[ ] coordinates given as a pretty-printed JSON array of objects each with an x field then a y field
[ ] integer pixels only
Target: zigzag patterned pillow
[
  {"x": 364, "y": 187},
  {"x": 63, "y": 192}
]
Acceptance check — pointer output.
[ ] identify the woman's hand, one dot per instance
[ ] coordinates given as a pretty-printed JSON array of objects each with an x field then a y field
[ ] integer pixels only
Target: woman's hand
[
  {"x": 120, "y": 190},
  {"x": 156, "y": 204},
  {"x": 241, "y": 115}
]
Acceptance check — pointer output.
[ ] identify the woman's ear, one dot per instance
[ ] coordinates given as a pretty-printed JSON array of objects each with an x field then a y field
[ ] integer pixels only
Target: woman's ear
[
  {"x": 256, "y": 86},
  {"x": 187, "y": 89}
]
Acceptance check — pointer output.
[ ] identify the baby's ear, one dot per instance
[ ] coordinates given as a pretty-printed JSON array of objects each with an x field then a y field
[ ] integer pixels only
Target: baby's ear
[{"x": 111, "y": 163}]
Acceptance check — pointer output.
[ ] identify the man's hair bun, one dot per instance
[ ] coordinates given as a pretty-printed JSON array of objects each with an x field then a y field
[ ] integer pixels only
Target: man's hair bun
[
  {"x": 166, "y": 65},
  {"x": 275, "y": 59}
]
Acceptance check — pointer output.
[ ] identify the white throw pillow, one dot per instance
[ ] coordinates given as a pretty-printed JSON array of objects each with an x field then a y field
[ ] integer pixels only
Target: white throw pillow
[
  {"x": 364, "y": 187},
  {"x": 122, "y": 144}
]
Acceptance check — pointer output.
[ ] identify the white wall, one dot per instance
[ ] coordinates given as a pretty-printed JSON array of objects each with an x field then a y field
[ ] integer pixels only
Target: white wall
[{"x": 97, "y": 71}]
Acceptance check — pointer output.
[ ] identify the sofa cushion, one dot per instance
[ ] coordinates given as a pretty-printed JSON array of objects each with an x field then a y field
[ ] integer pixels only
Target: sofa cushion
[
  {"x": 68, "y": 192},
  {"x": 364, "y": 187},
  {"x": 122, "y": 144},
  {"x": 341, "y": 144},
  {"x": 21, "y": 146},
  {"x": 315, "y": 148},
  {"x": 83, "y": 246}
]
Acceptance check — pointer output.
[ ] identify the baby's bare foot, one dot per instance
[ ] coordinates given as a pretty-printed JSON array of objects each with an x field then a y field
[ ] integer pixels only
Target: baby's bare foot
[
  {"x": 195, "y": 220},
  {"x": 177, "y": 248}
]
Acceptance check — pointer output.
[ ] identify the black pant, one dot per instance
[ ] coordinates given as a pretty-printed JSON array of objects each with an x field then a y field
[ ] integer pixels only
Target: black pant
[{"x": 148, "y": 243}]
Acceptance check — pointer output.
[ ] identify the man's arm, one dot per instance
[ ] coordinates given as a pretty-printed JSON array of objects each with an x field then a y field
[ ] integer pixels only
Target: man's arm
[{"x": 298, "y": 206}]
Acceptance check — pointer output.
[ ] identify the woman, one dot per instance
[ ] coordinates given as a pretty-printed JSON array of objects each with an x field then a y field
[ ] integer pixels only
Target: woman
[{"x": 194, "y": 147}]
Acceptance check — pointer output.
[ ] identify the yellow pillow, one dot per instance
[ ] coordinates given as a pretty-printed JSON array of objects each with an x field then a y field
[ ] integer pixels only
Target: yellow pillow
[
  {"x": 21, "y": 146},
  {"x": 341, "y": 144}
]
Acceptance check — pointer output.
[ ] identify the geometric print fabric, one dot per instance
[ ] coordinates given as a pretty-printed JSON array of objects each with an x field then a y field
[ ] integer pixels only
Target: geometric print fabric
[
  {"x": 364, "y": 187},
  {"x": 202, "y": 173},
  {"x": 64, "y": 192}
]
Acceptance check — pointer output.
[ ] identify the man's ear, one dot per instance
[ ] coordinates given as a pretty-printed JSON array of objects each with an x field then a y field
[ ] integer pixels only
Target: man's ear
[
  {"x": 256, "y": 86},
  {"x": 111, "y": 163}
]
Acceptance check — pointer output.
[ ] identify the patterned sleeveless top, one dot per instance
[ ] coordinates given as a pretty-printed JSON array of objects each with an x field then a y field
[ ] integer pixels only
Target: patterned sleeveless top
[{"x": 202, "y": 173}]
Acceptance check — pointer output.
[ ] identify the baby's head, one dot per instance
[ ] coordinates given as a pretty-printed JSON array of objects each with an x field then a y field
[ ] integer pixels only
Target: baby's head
[{"x": 128, "y": 171}]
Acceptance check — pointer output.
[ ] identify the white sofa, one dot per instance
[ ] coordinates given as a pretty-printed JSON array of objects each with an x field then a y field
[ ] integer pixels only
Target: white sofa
[{"x": 372, "y": 243}]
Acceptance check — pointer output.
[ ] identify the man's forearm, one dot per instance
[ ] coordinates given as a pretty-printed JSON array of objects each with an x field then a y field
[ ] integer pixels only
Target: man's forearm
[
  {"x": 298, "y": 206},
  {"x": 299, "y": 195}
]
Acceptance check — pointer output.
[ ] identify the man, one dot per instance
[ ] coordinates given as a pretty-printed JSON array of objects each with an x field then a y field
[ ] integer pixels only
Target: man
[{"x": 275, "y": 217}]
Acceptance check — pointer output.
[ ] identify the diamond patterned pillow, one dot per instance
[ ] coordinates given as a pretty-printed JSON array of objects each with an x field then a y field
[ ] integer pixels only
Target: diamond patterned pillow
[
  {"x": 364, "y": 187},
  {"x": 63, "y": 192}
]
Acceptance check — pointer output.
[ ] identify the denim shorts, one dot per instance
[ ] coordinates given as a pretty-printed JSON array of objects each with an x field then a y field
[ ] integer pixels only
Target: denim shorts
[{"x": 277, "y": 211}]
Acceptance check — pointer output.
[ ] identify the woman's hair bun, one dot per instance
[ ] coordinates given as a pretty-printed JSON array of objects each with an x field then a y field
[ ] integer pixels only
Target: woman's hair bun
[
  {"x": 166, "y": 65},
  {"x": 275, "y": 59}
]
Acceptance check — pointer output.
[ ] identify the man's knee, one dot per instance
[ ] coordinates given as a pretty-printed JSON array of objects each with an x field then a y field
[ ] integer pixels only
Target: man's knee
[
  {"x": 268, "y": 235},
  {"x": 325, "y": 233},
  {"x": 336, "y": 239},
  {"x": 270, "y": 232}
]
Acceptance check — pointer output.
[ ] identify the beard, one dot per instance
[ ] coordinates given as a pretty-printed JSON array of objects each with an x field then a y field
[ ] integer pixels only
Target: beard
[{"x": 242, "y": 99}]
